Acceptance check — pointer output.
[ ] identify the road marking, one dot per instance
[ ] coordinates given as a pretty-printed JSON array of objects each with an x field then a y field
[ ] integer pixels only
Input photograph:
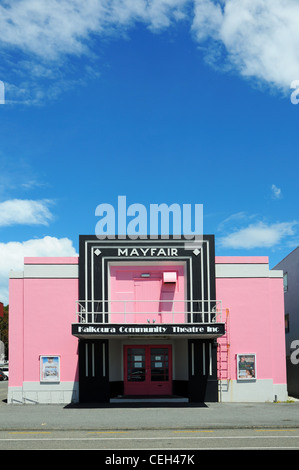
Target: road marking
[
  {"x": 150, "y": 438},
  {"x": 275, "y": 430},
  {"x": 29, "y": 432},
  {"x": 197, "y": 430},
  {"x": 107, "y": 432}
]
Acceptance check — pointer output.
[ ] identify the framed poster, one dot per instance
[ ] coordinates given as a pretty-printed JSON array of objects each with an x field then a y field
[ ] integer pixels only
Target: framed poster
[
  {"x": 246, "y": 367},
  {"x": 49, "y": 368}
]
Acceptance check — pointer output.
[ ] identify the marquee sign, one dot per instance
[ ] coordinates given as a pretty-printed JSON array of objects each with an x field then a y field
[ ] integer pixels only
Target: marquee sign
[
  {"x": 141, "y": 252},
  {"x": 95, "y": 261},
  {"x": 96, "y": 256},
  {"x": 102, "y": 330},
  {"x": 161, "y": 251}
]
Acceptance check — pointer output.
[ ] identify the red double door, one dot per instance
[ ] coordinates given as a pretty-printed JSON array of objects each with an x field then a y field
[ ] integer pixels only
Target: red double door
[{"x": 147, "y": 370}]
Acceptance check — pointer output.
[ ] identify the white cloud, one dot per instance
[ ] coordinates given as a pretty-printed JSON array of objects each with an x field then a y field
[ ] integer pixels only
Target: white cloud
[
  {"x": 49, "y": 32},
  {"x": 12, "y": 256},
  {"x": 257, "y": 38},
  {"x": 208, "y": 19},
  {"x": 276, "y": 192},
  {"x": 49, "y": 28},
  {"x": 260, "y": 37},
  {"x": 258, "y": 235},
  {"x": 24, "y": 211},
  {"x": 235, "y": 218}
]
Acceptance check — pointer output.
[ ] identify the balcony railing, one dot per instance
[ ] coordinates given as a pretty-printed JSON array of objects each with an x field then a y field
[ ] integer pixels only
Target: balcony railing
[{"x": 149, "y": 311}]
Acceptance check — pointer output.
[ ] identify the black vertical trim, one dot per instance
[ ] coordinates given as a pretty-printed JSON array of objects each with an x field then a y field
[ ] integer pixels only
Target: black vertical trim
[
  {"x": 93, "y": 387},
  {"x": 203, "y": 383}
]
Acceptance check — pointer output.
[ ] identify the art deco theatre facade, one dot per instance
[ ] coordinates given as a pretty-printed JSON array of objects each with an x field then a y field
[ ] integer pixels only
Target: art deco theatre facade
[{"x": 132, "y": 320}]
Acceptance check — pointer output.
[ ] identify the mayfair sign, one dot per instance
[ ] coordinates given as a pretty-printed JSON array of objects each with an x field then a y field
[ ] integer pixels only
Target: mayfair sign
[
  {"x": 147, "y": 252},
  {"x": 211, "y": 329}
]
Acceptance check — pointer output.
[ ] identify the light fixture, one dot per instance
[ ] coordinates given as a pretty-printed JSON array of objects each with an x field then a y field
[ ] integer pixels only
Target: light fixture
[{"x": 169, "y": 277}]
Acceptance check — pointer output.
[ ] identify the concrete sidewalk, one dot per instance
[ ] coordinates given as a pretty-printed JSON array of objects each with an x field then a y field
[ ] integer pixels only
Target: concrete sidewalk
[{"x": 149, "y": 416}]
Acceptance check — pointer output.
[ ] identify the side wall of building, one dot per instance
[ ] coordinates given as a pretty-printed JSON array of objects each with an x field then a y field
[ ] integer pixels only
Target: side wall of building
[
  {"x": 290, "y": 267},
  {"x": 253, "y": 296},
  {"x": 42, "y": 309}
]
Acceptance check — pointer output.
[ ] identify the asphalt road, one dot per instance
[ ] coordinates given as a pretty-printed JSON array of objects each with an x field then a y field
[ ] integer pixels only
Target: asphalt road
[
  {"x": 156, "y": 429},
  {"x": 177, "y": 441}
]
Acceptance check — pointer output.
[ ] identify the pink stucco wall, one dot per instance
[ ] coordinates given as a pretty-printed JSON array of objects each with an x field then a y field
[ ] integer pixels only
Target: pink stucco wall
[
  {"x": 242, "y": 259},
  {"x": 40, "y": 316},
  {"x": 51, "y": 260},
  {"x": 255, "y": 322},
  {"x": 16, "y": 330}
]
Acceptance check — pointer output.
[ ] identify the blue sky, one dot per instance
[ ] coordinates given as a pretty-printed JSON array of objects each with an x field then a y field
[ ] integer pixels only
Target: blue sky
[{"x": 181, "y": 101}]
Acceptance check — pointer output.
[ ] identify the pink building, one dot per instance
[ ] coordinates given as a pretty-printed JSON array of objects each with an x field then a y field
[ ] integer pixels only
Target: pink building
[{"x": 143, "y": 319}]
